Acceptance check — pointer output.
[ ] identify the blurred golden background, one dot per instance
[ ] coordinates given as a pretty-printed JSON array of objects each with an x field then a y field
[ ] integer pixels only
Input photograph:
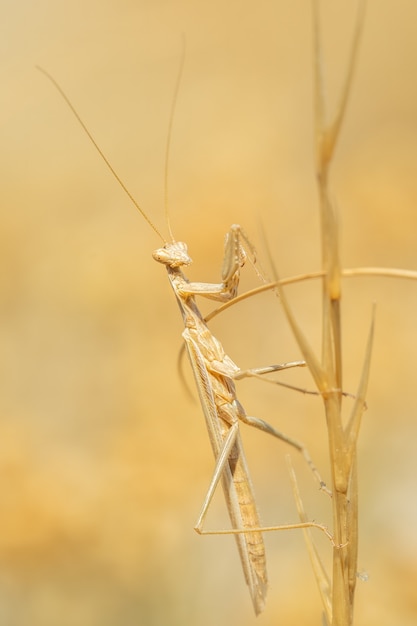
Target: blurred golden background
[{"x": 104, "y": 461}]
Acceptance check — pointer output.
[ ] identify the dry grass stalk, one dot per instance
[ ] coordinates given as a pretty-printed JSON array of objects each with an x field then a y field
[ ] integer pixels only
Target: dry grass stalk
[{"x": 337, "y": 594}]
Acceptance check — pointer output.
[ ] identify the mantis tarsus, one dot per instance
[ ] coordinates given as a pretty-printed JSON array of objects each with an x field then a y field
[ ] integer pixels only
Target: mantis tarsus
[{"x": 214, "y": 374}]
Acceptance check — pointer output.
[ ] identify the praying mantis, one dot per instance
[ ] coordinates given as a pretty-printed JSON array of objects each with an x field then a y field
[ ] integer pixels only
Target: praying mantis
[{"x": 215, "y": 374}]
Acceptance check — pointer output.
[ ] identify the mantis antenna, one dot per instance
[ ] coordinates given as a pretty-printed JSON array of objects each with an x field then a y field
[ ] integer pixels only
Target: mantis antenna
[
  {"x": 101, "y": 153},
  {"x": 169, "y": 136}
]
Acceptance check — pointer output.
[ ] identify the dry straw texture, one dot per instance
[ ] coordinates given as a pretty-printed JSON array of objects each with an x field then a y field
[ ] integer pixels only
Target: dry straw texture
[{"x": 103, "y": 459}]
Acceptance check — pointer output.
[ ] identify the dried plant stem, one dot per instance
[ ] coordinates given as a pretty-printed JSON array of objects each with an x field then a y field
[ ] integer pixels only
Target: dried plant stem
[
  {"x": 342, "y": 447},
  {"x": 352, "y": 272},
  {"x": 338, "y": 599}
]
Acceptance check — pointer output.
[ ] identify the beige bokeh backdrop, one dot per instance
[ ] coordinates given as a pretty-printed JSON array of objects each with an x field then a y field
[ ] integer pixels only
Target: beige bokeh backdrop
[{"x": 104, "y": 460}]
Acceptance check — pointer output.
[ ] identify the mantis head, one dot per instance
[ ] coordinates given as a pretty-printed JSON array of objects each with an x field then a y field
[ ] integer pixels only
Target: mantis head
[{"x": 173, "y": 254}]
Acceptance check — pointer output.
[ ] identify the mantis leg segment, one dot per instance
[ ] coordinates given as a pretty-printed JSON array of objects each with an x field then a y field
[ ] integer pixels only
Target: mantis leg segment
[
  {"x": 262, "y": 425},
  {"x": 269, "y": 369},
  {"x": 221, "y": 463}
]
